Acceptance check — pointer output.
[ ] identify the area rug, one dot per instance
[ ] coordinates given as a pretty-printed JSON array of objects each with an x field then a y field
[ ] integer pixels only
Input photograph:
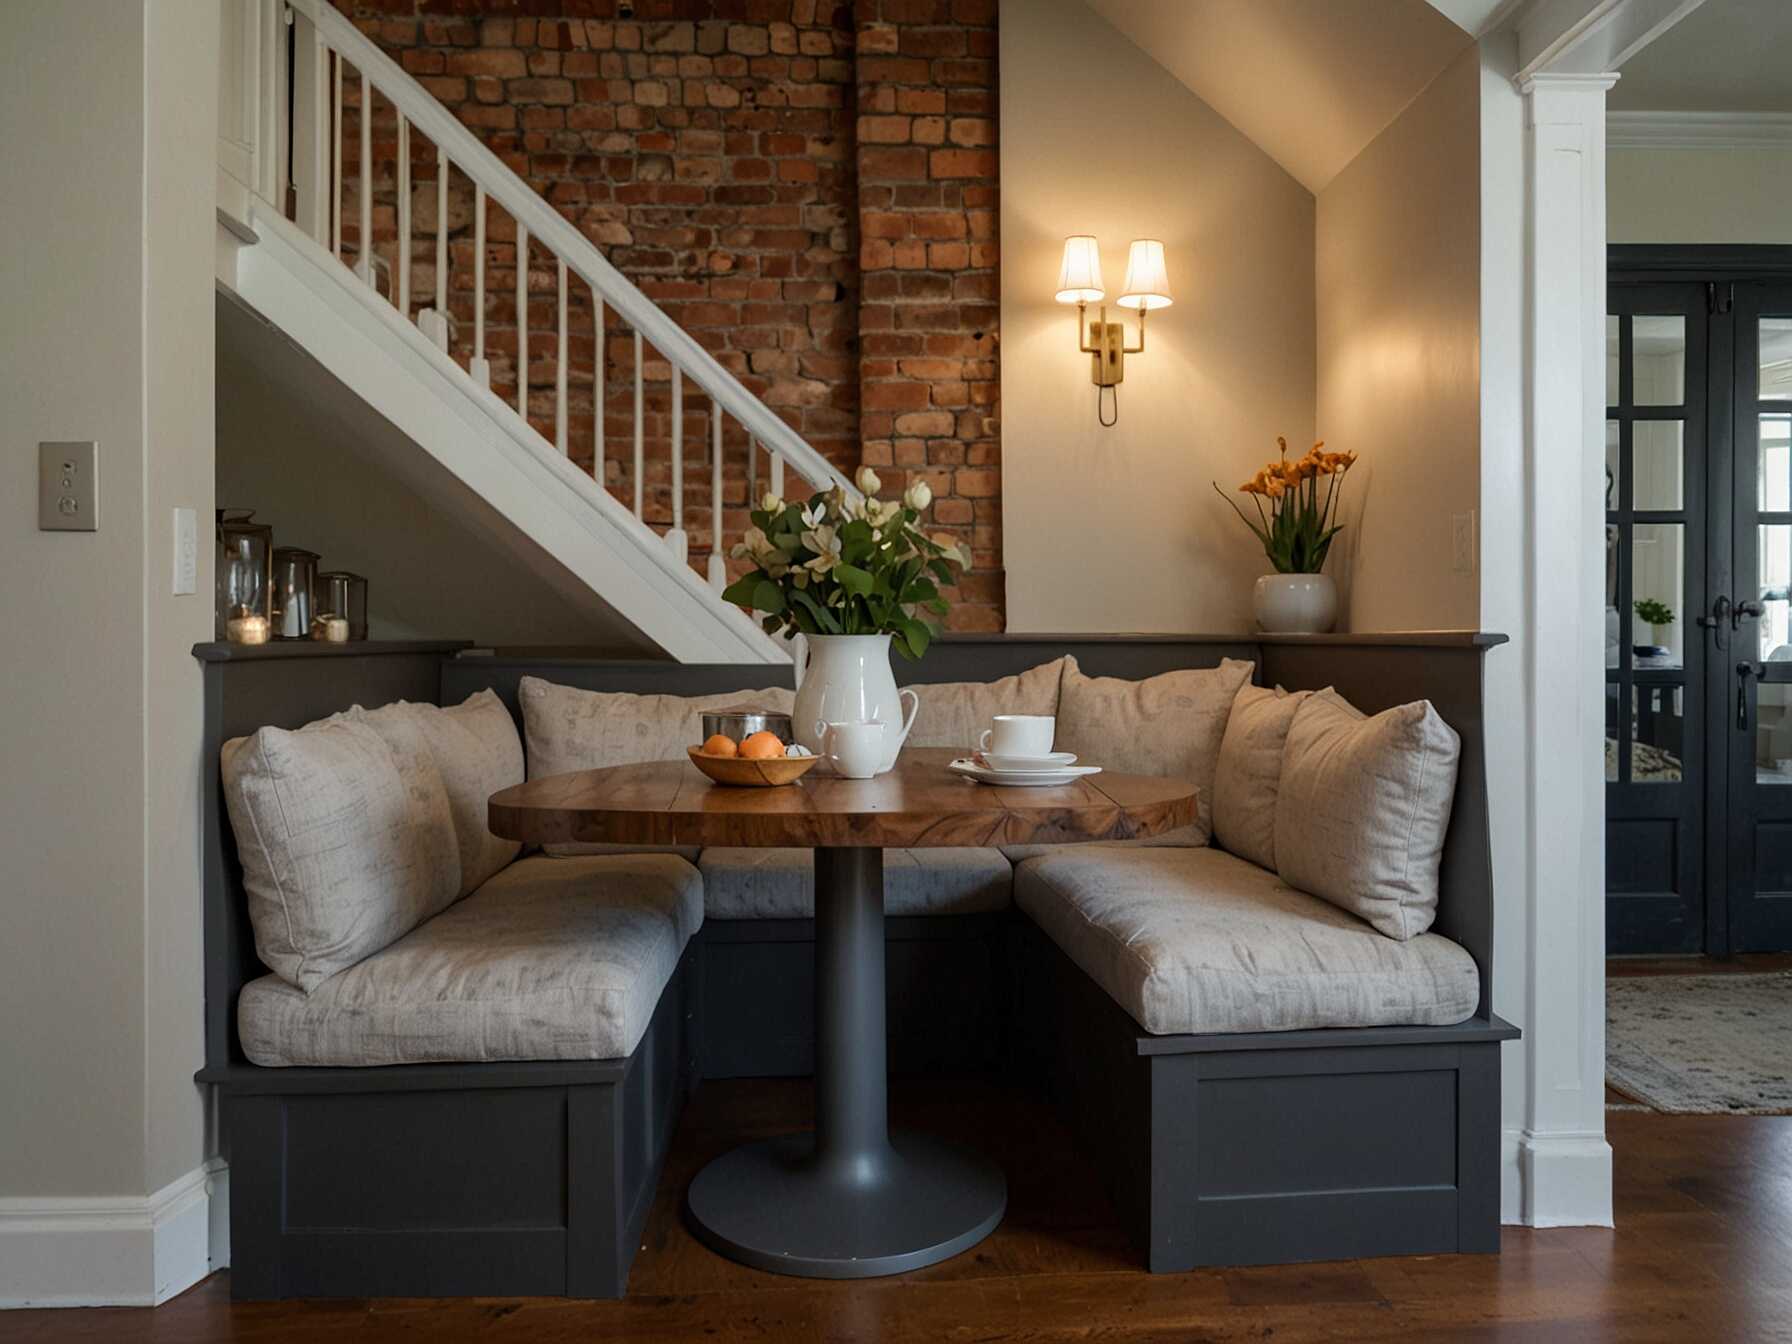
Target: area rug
[{"x": 1701, "y": 1044}]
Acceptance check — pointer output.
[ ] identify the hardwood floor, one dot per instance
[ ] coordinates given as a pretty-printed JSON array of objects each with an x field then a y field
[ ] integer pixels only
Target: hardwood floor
[{"x": 1703, "y": 1252}]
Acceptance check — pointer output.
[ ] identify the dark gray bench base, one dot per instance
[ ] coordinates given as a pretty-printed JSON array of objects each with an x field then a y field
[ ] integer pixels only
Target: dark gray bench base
[
  {"x": 443, "y": 1180},
  {"x": 1270, "y": 1147}
]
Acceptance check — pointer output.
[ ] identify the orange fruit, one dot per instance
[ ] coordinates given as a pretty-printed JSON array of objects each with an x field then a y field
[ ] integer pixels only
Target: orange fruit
[
  {"x": 761, "y": 746},
  {"x": 720, "y": 744}
]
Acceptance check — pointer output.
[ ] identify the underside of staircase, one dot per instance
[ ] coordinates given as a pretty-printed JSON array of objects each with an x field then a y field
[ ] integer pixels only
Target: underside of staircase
[{"x": 391, "y": 327}]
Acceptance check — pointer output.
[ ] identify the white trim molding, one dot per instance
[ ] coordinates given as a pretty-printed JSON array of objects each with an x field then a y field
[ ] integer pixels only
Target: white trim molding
[
  {"x": 113, "y": 1251},
  {"x": 1697, "y": 130}
]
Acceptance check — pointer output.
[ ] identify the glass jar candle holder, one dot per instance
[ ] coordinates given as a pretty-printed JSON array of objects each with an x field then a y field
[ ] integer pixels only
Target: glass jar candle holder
[
  {"x": 344, "y": 594},
  {"x": 295, "y": 596},
  {"x": 245, "y": 577}
]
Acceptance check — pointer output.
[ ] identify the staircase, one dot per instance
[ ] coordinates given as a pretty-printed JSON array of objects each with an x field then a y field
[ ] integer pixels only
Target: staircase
[{"x": 408, "y": 334}]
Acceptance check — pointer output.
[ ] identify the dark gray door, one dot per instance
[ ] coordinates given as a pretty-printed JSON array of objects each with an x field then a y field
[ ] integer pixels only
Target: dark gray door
[
  {"x": 1759, "y": 730},
  {"x": 1657, "y": 654}
]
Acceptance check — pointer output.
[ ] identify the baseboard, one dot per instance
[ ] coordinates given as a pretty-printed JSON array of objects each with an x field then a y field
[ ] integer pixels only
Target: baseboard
[
  {"x": 104, "y": 1251},
  {"x": 1555, "y": 1180}
]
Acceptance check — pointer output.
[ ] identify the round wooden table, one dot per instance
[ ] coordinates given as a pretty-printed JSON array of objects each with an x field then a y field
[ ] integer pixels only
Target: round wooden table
[{"x": 849, "y": 1199}]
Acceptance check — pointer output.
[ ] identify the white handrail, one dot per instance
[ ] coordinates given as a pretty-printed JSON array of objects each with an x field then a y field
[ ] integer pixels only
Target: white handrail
[{"x": 535, "y": 218}]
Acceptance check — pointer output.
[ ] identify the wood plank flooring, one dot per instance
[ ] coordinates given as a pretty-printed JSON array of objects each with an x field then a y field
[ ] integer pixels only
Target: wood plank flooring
[{"x": 1703, "y": 1253}]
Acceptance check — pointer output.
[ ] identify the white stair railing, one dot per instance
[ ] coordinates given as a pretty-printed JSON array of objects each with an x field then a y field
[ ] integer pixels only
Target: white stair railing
[{"x": 324, "y": 44}]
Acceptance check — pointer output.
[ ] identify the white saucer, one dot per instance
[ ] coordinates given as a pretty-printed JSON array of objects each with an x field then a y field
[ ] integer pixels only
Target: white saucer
[
  {"x": 1054, "y": 760},
  {"x": 1063, "y": 774}
]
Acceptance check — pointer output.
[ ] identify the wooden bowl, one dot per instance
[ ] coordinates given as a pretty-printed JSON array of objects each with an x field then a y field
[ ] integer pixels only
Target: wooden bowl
[{"x": 742, "y": 772}]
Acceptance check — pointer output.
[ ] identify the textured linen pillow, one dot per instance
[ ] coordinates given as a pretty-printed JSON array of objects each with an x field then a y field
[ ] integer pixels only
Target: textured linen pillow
[
  {"x": 346, "y": 840},
  {"x": 1363, "y": 806},
  {"x": 1250, "y": 771},
  {"x": 477, "y": 750},
  {"x": 567, "y": 729},
  {"x": 1170, "y": 724},
  {"x": 955, "y": 713}
]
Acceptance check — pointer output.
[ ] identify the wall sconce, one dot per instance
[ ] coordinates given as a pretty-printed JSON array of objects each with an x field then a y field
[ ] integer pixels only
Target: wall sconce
[{"x": 1079, "y": 282}]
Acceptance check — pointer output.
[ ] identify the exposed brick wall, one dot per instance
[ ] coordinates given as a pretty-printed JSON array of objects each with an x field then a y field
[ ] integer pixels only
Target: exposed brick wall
[
  {"x": 727, "y": 156},
  {"x": 930, "y": 303}
]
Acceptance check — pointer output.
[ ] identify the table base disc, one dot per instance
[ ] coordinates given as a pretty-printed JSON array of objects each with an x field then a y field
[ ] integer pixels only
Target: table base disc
[{"x": 770, "y": 1206}]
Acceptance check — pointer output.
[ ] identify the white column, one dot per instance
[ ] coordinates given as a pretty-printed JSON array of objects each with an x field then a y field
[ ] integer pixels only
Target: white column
[{"x": 1563, "y": 1160}]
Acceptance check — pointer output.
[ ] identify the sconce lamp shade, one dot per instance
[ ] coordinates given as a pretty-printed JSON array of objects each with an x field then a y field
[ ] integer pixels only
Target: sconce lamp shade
[
  {"x": 1079, "y": 279},
  {"x": 1147, "y": 280}
]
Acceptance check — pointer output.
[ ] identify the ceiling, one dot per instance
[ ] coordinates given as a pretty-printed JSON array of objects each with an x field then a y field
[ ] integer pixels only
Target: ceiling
[
  {"x": 1310, "y": 82},
  {"x": 1726, "y": 56}
]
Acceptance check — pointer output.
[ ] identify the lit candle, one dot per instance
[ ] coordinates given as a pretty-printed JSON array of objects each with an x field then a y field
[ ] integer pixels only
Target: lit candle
[
  {"x": 329, "y": 629},
  {"x": 246, "y": 628}
]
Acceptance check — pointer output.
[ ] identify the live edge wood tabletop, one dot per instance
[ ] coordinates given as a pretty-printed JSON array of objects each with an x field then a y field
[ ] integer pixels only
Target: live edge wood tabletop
[{"x": 919, "y": 804}]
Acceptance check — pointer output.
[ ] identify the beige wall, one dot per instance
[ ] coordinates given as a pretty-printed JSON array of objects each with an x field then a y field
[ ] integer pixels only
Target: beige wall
[
  {"x": 98, "y": 777},
  {"x": 1699, "y": 195},
  {"x": 1119, "y": 529},
  {"x": 1398, "y": 279}
]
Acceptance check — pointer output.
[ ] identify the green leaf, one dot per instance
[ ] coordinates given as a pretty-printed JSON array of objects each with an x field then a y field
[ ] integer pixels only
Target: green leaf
[
  {"x": 768, "y": 596},
  {"x": 740, "y": 592},
  {"x": 823, "y": 619},
  {"x": 855, "y": 580}
]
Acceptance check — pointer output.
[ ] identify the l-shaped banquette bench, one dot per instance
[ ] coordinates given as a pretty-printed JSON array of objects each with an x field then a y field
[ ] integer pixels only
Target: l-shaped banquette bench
[{"x": 1232, "y": 1144}]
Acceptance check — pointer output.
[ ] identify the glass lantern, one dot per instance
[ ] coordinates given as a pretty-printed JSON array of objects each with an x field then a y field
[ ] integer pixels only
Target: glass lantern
[
  {"x": 245, "y": 577},
  {"x": 341, "y": 593},
  {"x": 295, "y": 582}
]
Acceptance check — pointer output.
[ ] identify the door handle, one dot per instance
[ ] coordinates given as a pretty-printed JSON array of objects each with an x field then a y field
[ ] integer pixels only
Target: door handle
[
  {"x": 1715, "y": 622},
  {"x": 1746, "y": 610},
  {"x": 1743, "y": 672}
]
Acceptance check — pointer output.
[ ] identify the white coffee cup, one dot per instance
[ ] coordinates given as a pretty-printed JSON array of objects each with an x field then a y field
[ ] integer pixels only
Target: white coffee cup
[
  {"x": 854, "y": 748},
  {"x": 1019, "y": 735}
]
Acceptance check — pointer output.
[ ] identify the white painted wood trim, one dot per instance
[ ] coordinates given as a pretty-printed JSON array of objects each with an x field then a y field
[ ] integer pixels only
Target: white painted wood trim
[
  {"x": 120, "y": 1250},
  {"x": 391, "y": 365},
  {"x": 1697, "y": 130},
  {"x": 547, "y": 224}
]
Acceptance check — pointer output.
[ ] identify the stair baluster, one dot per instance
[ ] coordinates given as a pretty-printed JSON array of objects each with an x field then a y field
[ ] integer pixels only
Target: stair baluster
[
  {"x": 560, "y": 368},
  {"x": 404, "y": 217},
  {"x": 718, "y": 566},
  {"x": 480, "y": 367}
]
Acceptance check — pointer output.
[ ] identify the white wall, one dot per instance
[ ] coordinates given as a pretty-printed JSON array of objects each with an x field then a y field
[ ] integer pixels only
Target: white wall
[
  {"x": 1120, "y": 529},
  {"x": 1699, "y": 195},
  {"x": 109, "y": 205},
  {"x": 1397, "y": 264}
]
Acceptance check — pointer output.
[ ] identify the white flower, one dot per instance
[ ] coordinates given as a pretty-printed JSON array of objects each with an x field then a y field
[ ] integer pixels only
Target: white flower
[
  {"x": 918, "y": 496},
  {"x": 867, "y": 481},
  {"x": 825, "y": 542},
  {"x": 954, "y": 549},
  {"x": 771, "y": 503},
  {"x": 814, "y": 517},
  {"x": 880, "y": 511}
]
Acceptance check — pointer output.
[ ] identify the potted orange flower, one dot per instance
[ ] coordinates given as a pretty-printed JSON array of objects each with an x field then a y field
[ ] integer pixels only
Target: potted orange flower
[{"x": 1296, "y": 521}]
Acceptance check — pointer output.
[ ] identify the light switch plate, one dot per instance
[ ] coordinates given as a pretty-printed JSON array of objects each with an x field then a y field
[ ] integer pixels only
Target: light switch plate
[
  {"x": 68, "y": 487},
  {"x": 186, "y": 552}
]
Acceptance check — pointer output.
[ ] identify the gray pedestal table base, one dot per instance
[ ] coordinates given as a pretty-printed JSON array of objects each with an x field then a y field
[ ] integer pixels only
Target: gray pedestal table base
[{"x": 847, "y": 1201}]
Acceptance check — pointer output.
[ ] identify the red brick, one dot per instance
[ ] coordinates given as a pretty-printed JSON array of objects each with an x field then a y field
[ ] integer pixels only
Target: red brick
[
  {"x": 883, "y": 130},
  {"x": 977, "y": 163}
]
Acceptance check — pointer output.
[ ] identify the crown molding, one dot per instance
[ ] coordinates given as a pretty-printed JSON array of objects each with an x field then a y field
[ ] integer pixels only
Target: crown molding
[{"x": 1697, "y": 130}]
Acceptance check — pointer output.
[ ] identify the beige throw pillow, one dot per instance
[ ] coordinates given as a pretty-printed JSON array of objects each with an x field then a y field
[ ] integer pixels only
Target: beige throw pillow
[
  {"x": 567, "y": 729},
  {"x": 1250, "y": 771},
  {"x": 1363, "y": 806},
  {"x": 346, "y": 840},
  {"x": 955, "y": 713},
  {"x": 1170, "y": 724},
  {"x": 476, "y": 747}
]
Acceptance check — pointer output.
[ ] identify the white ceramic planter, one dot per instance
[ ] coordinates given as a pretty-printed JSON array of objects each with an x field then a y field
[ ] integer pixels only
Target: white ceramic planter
[
  {"x": 847, "y": 679},
  {"x": 1295, "y": 604}
]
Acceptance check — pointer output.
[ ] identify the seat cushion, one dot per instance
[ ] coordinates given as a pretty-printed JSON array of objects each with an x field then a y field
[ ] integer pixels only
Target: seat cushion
[
  {"x": 1170, "y": 724},
  {"x": 1249, "y": 774},
  {"x": 780, "y": 883},
  {"x": 1197, "y": 940},
  {"x": 1363, "y": 807},
  {"x": 955, "y": 713},
  {"x": 477, "y": 750},
  {"x": 567, "y": 729},
  {"x": 550, "y": 959},
  {"x": 346, "y": 840}
]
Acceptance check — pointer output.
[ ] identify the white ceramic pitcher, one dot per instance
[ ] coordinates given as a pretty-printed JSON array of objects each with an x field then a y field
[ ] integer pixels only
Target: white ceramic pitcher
[{"x": 846, "y": 678}]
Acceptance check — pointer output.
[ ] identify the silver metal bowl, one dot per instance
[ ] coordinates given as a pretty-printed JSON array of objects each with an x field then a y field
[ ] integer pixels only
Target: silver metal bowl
[{"x": 741, "y": 721}]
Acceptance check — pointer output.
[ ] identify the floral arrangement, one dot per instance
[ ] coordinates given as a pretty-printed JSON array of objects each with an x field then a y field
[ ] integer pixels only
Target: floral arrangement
[
  {"x": 834, "y": 567},
  {"x": 1298, "y": 525}
]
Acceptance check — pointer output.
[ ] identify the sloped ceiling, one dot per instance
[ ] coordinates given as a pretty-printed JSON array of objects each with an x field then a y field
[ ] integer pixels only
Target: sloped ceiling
[{"x": 1311, "y": 82}]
